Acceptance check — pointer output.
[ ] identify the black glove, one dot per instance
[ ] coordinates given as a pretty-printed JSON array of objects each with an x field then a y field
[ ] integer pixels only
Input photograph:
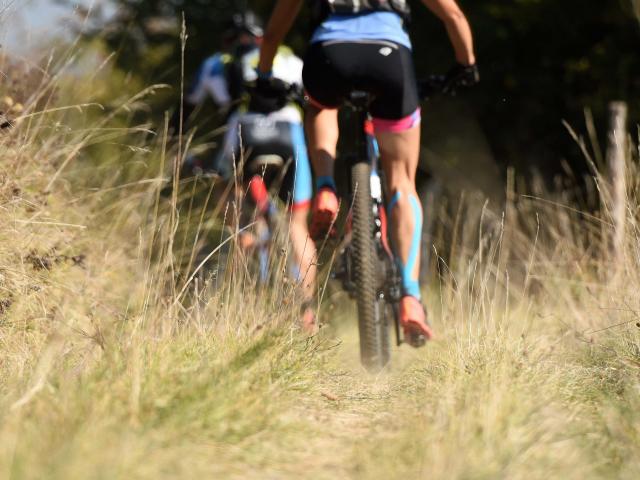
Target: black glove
[
  {"x": 431, "y": 86},
  {"x": 268, "y": 95},
  {"x": 462, "y": 76}
]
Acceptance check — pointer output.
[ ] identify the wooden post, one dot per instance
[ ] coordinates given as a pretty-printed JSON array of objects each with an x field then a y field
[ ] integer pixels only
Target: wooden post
[
  {"x": 616, "y": 165},
  {"x": 428, "y": 193},
  {"x": 508, "y": 222}
]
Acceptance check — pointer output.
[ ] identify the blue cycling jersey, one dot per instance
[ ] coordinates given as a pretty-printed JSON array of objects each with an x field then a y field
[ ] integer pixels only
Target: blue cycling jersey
[{"x": 364, "y": 26}]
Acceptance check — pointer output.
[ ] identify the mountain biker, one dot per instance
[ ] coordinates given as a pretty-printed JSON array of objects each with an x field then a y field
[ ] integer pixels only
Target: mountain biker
[
  {"x": 267, "y": 131},
  {"x": 363, "y": 45}
]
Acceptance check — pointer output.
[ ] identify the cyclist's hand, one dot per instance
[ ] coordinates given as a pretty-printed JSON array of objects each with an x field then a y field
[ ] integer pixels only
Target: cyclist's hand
[
  {"x": 461, "y": 76},
  {"x": 272, "y": 86},
  {"x": 431, "y": 85},
  {"x": 268, "y": 95}
]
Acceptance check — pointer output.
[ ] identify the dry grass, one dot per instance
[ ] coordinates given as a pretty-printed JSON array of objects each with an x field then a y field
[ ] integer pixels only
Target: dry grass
[{"x": 113, "y": 365}]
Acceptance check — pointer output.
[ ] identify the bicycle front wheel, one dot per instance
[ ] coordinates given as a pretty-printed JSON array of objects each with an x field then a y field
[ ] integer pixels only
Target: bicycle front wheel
[{"x": 372, "y": 325}]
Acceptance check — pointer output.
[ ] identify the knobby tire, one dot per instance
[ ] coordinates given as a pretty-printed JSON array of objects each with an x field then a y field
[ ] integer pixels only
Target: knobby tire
[{"x": 372, "y": 325}]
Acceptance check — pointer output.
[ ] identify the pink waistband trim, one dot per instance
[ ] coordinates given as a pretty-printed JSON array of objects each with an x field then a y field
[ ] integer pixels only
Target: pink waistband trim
[{"x": 400, "y": 125}]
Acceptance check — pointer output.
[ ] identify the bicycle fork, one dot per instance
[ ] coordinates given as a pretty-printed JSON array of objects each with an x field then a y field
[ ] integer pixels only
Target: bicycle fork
[
  {"x": 391, "y": 278},
  {"x": 389, "y": 281}
]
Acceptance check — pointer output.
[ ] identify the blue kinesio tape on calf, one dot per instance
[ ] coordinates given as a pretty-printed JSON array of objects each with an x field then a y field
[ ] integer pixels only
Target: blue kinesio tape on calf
[
  {"x": 397, "y": 196},
  {"x": 410, "y": 286},
  {"x": 302, "y": 184},
  {"x": 325, "y": 181}
]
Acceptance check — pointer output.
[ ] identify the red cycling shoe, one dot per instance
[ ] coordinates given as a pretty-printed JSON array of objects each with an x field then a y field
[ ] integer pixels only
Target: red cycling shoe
[
  {"x": 259, "y": 193},
  {"x": 413, "y": 319},
  {"x": 309, "y": 321},
  {"x": 324, "y": 212}
]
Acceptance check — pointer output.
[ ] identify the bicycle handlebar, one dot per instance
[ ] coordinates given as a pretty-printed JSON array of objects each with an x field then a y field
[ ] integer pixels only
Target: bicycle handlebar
[
  {"x": 428, "y": 87},
  {"x": 434, "y": 85},
  {"x": 285, "y": 92}
]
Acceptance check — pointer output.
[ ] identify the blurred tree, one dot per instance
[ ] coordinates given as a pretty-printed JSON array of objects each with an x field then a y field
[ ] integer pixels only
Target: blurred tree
[
  {"x": 145, "y": 34},
  {"x": 541, "y": 61}
]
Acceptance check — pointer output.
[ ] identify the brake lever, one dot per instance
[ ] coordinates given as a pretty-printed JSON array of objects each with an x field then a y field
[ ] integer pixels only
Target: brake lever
[
  {"x": 431, "y": 86},
  {"x": 297, "y": 96},
  {"x": 450, "y": 90},
  {"x": 294, "y": 92}
]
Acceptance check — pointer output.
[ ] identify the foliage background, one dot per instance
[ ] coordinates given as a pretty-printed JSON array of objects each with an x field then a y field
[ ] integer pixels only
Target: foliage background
[
  {"x": 542, "y": 61},
  {"x": 108, "y": 371}
]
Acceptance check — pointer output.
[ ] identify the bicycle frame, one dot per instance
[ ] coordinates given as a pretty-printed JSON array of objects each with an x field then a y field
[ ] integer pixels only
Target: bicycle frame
[{"x": 366, "y": 150}]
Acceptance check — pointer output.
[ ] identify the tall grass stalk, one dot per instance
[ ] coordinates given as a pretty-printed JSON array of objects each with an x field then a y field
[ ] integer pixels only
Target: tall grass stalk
[{"x": 120, "y": 359}]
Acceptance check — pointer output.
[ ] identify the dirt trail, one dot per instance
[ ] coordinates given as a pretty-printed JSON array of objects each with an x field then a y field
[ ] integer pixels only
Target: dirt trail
[{"x": 461, "y": 408}]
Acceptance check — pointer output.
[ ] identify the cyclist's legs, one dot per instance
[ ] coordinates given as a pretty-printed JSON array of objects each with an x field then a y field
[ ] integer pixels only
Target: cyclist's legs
[
  {"x": 304, "y": 250},
  {"x": 326, "y": 89},
  {"x": 297, "y": 190},
  {"x": 322, "y": 131},
  {"x": 385, "y": 70},
  {"x": 399, "y": 153}
]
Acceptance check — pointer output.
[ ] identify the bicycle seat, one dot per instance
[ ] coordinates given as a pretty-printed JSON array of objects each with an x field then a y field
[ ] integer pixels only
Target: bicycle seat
[
  {"x": 359, "y": 99},
  {"x": 260, "y": 162},
  {"x": 268, "y": 166}
]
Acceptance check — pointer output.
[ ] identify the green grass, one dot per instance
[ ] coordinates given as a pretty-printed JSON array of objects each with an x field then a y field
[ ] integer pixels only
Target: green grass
[{"x": 106, "y": 373}]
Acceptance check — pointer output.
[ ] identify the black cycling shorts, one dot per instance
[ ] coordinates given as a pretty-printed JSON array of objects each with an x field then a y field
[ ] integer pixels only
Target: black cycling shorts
[
  {"x": 275, "y": 150},
  {"x": 334, "y": 68}
]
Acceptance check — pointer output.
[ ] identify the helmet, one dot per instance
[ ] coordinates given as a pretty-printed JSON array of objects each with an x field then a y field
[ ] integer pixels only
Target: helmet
[{"x": 244, "y": 22}]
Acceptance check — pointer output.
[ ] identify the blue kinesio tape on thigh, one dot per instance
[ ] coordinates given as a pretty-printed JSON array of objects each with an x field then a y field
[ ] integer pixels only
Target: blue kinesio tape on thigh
[{"x": 410, "y": 286}]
